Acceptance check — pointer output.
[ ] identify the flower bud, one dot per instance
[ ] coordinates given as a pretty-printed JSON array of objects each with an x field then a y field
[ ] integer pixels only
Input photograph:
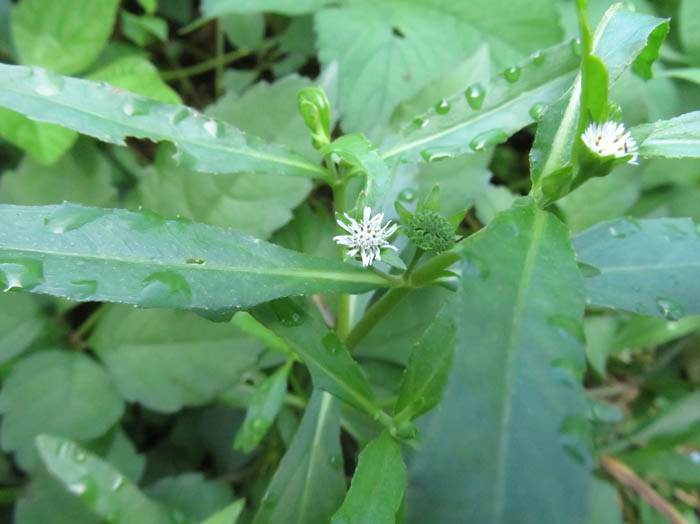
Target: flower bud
[
  {"x": 314, "y": 109},
  {"x": 428, "y": 230}
]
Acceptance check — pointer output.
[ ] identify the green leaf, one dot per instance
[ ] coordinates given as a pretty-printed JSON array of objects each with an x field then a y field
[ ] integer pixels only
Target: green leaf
[
  {"x": 167, "y": 359},
  {"x": 191, "y": 494},
  {"x": 689, "y": 25},
  {"x": 643, "y": 332},
  {"x": 228, "y": 515},
  {"x": 143, "y": 29},
  {"x": 138, "y": 75},
  {"x": 327, "y": 358},
  {"x": 213, "y": 8},
  {"x": 309, "y": 483},
  {"x": 64, "y": 36},
  {"x": 681, "y": 417},
  {"x": 377, "y": 486},
  {"x": 21, "y": 322},
  {"x": 263, "y": 409},
  {"x": 668, "y": 464},
  {"x": 675, "y": 138},
  {"x": 426, "y": 373},
  {"x": 82, "y": 404},
  {"x": 116, "y": 448},
  {"x": 99, "y": 485},
  {"x": 603, "y": 504},
  {"x": 648, "y": 267},
  {"x": 63, "y": 251},
  {"x": 486, "y": 112},
  {"x": 619, "y": 39},
  {"x": 45, "y": 500},
  {"x": 514, "y": 382},
  {"x": 44, "y": 142},
  {"x": 110, "y": 114},
  {"x": 246, "y": 30}
]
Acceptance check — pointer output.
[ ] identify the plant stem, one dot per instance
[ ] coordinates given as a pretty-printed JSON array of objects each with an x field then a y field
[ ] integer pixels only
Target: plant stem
[
  {"x": 374, "y": 314},
  {"x": 219, "y": 64},
  {"x": 433, "y": 267},
  {"x": 90, "y": 322},
  {"x": 207, "y": 65},
  {"x": 344, "y": 320}
]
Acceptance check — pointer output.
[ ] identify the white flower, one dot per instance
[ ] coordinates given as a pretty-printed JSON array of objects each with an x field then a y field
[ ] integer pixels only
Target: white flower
[
  {"x": 610, "y": 138},
  {"x": 367, "y": 237}
]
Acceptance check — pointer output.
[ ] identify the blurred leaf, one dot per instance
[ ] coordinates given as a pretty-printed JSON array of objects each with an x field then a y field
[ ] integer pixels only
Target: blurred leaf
[
  {"x": 5, "y": 41},
  {"x": 492, "y": 201},
  {"x": 116, "y": 448},
  {"x": 263, "y": 409},
  {"x": 65, "y": 36},
  {"x": 167, "y": 359},
  {"x": 377, "y": 486},
  {"x": 21, "y": 322},
  {"x": 138, "y": 75},
  {"x": 158, "y": 263},
  {"x": 310, "y": 231},
  {"x": 111, "y": 115},
  {"x": 55, "y": 392},
  {"x": 689, "y": 25},
  {"x": 427, "y": 370},
  {"x": 675, "y": 138},
  {"x": 603, "y": 505},
  {"x": 45, "y": 500},
  {"x": 309, "y": 484},
  {"x": 677, "y": 419},
  {"x": 246, "y": 30},
  {"x": 84, "y": 176},
  {"x": 142, "y": 29},
  {"x": 191, "y": 494},
  {"x": 45, "y": 142},
  {"x": 101, "y": 487},
  {"x": 228, "y": 515},
  {"x": 665, "y": 464},
  {"x": 212, "y": 8},
  {"x": 380, "y": 46},
  {"x": 600, "y": 333},
  {"x": 149, "y": 6},
  {"x": 647, "y": 267},
  {"x": 641, "y": 332},
  {"x": 514, "y": 382}
]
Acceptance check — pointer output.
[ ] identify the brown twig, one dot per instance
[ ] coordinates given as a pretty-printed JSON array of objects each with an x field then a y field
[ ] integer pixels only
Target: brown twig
[{"x": 629, "y": 478}]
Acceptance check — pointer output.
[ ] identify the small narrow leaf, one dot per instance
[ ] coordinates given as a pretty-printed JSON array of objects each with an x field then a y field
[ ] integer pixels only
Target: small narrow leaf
[
  {"x": 266, "y": 403},
  {"x": 146, "y": 260},
  {"x": 111, "y": 115},
  {"x": 377, "y": 486},
  {"x": 648, "y": 267},
  {"x": 675, "y": 138}
]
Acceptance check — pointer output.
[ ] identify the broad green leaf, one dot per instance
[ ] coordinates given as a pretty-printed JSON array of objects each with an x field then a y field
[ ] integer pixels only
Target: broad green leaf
[
  {"x": 64, "y": 36},
  {"x": 327, "y": 358},
  {"x": 492, "y": 201},
  {"x": 377, "y": 486},
  {"x": 642, "y": 332},
  {"x": 44, "y": 142},
  {"x": 514, "y": 382},
  {"x": 487, "y": 112},
  {"x": 138, "y": 75},
  {"x": 116, "y": 448},
  {"x": 213, "y": 8},
  {"x": 263, "y": 409},
  {"x": 191, "y": 494},
  {"x": 167, "y": 359},
  {"x": 621, "y": 37},
  {"x": 64, "y": 251},
  {"x": 689, "y": 25},
  {"x": 228, "y": 515},
  {"x": 388, "y": 51},
  {"x": 98, "y": 484},
  {"x": 427, "y": 370},
  {"x": 675, "y": 138},
  {"x": 669, "y": 464},
  {"x": 82, "y": 404},
  {"x": 309, "y": 484},
  {"x": 21, "y": 322},
  {"x": 83, "y": 176},
  {"x": 648, "y": 267},
  {"x": 111, "y": 114},
  {"x": 44, "y": 500},
  {"x": 246, "y": 30},
  {"x": 603, "y": 505}
]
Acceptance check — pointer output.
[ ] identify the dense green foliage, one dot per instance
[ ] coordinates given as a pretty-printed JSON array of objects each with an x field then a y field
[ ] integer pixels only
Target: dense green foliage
[{"x": 508, "y": 331}]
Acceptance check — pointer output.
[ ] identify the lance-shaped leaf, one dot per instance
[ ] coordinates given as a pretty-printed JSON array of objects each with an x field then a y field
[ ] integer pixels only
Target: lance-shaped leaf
[
  {"x": 104, "y": 489},
  {"x": 85, "y": 253},
  {"x": 675, "y": 138},
  {"x": 648, "y": 267},
  {"x": 487, "y": 113},
  {"x": 309, "y": 483},
  {"x": 622, "y": 37},
  {"x": 377, "y": 486},
  {"x": 327, "y": 358},
  {"x": 512, "y": 402},
  {"x": 111, "y": 115}
]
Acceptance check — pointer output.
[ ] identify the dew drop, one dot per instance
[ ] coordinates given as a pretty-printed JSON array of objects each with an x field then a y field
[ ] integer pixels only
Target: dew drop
[
  {"x": 624, "y": 228},
  {"x": 20, "y": 273},
  {"x": 512, "y": 74},
  {"x": 47, "y": 82},
  {"x": 435, "y": 156},
  {"x": 488, "y": 139},
  {"x": 77, "y": 488},
  {"x": 165, "y": 289},
  {"x": 475, "y": 95},
  {"x": 118, "y": 482},
  {"x": 539, "y": 58},
  {"x": 179, "y": 115},
  {"x": 260, "y": 425},
  {"x": 214, "y": 128},
  {"x": 408, "y": 195},
  {"x": 332, "y": 343},
  {"x": 576, "y": 46},
  {"x": 442, "y": 107},
  {"x": 670, "y": 309},
  {"x": 674, "y": 231},
  {"x": 288, "y": 312},
  {"x": 196, "y": 261},
  {"x": 136, "y": 106},
  {"x": 568, "y": 326},
  {"x": 336, "y": 462},
  {"x": 79, "y": 455},
  {"x": 82, "y": 289},
  {"x": 537, "y": 110},
  {"x": 68, "y": 217},
  {"x": 587, "y": 270}
]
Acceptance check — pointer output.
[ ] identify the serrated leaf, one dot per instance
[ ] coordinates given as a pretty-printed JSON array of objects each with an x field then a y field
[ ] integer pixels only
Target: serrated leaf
[
  {"x": 167, "y": 359},
  {"x": 64, "y": 36},
  {"x": 262, "y": 410},
  {"x": 648, "y": 267},
  {"x": 328, "y": 360},
  {"x": 377, "y": 486},
  {"x": 514, "y": 382},
  {"x": 104, "y": 489},
  {"x": 146, "y": 260},
  {"x": 674, "y": 138},
  {"x": 427, "y": 370},
  {"x": 191, "y": 494},
  {"x": 110, "y": 114},
  {"x": 309, "y": 483},
  {"x": 83, "y": 403}
]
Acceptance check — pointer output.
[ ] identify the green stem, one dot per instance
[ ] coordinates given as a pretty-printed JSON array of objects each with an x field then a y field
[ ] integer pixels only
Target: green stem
[
  {"x": 374, "y": 314},
  {"x": 344, "y": 320},
  {"x": 219, "y": 64},
  {"x": 207, "y": 65},
  {"x": 433, "y": 267}
]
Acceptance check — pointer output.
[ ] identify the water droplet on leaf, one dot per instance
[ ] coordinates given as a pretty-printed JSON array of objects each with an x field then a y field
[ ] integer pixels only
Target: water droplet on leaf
[
  {"x": 512, "y": 74},
  {"x": 408, "y": 195},
  {"x": 47, "y": 82},
  {"x": 165, "y": 289},
  {"x": 435, "y": 156},
  {"x": 475, "y": 94},
  {"x": 136, "y": 106},
  {"x": 488, "y": 139},
  {"x": 20, "y": 273},
  {"x": 442, "y": 107},
  {"x": 576, "y": 46},
  {"x": 538, "y": 110},
  {"x": 82, "y": 289},
  {"x": 214, "y": 128},
  {"x": 68, "y": 217},
  {"x": 587, "y": 270},
  {"x": 332, "y": 343},
  {"x": 179, "y": 115},
  {"x": 288, "y": 312},
  {"x": 538, "y": 58},
  {"x": 624, "y": 228},
  {"x": 670, "y": 309}
]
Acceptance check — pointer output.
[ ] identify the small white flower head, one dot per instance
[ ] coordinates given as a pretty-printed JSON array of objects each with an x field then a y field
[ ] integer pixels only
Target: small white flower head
[
  {"x": 610, "y": 138},
  {"x": 367, "y": 237}
]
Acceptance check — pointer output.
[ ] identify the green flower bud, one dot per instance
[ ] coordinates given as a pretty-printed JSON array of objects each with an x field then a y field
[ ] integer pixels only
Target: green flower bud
[
  {"x": 405, "y": 430},
  {"x": 314, "y": 109},
  {"x": 429, "y": 231}
]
